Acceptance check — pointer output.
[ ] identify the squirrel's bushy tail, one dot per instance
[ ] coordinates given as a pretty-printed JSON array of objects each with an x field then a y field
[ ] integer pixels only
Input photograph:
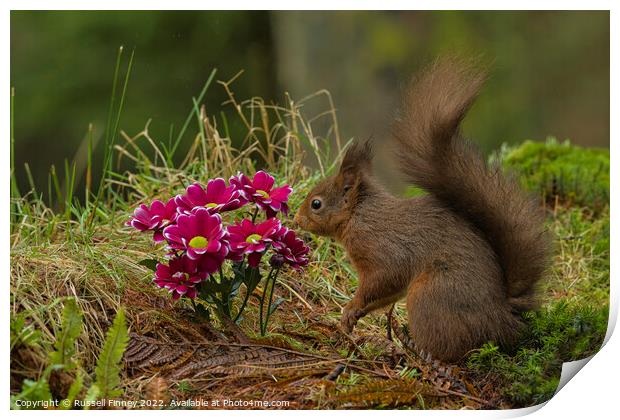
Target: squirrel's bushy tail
[{"x": 433, "y": 156}]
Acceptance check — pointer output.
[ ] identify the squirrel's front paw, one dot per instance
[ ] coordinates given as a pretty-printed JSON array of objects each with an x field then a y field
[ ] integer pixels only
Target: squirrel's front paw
[{"x": 350, "y": 316}]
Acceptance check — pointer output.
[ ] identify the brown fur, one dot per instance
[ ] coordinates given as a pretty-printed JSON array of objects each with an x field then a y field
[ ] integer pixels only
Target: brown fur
[{"x": 467, "y": 256}]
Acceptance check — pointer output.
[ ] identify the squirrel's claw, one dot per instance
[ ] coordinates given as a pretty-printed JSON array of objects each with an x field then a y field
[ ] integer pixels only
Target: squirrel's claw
[{"x": 349, "y": 318}]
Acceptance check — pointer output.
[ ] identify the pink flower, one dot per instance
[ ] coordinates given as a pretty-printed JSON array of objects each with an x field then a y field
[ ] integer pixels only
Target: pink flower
[
  {"x": 216, "y": 198},
  {"x": 260, "y": 191},
  {"x": 202, "y": 235},
  {"x": 252, "y": 239},
  {"x": 154, "y": 217},
  {"x": 180, "y": 277},
  {"x": 290, "y": 249}
]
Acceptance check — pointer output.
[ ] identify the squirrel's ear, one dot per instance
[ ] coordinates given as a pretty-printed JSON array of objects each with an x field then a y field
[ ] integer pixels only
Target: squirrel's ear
[{"x": 357, "y": 160}]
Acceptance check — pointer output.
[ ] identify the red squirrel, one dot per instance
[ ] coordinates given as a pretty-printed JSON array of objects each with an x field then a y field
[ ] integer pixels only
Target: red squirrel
[{"x": 467, "y": 256}]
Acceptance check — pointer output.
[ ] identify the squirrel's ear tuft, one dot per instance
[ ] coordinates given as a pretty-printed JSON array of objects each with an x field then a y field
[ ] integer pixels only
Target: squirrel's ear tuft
[{"x": 357, "y": 160}]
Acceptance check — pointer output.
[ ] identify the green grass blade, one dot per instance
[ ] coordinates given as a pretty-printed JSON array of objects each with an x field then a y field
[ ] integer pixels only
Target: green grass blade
[
  {"x": 89, "y": 166},
  {"x": 121, "y": 103},
  {"x": 111, "y": 131},
  {"x": 14, "y": 188},
  {"x": 191, "y": 112},
  {"x": 56, "y": 185},
  {"x": 108, "y": 127},
  {"x": 29, "y": 176}
]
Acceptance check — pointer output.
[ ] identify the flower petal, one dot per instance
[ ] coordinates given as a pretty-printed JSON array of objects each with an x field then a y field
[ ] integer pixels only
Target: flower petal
[
  {"x": 196, "y": 194},
  {"x": 254, "y": 259},
  {"x": 281, "y": 193},
  {"x": 209, "y": 264},
  {"x": 158, "y": 236},
  {"x": 215, "y": 188},
  {"x": 263, "y": 181}
]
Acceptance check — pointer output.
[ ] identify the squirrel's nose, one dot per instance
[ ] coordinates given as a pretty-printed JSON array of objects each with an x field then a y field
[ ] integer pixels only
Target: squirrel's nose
[{"x": 296, "y": 220}]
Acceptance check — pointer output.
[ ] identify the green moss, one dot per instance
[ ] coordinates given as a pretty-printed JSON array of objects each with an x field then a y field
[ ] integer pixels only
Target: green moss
[
  {"x": 561, "y": 332},
  {"x": 576, "y": 175}
]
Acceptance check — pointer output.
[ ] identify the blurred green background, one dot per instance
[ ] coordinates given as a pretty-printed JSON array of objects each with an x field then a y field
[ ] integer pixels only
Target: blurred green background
[{"x": 550, "y": 70}]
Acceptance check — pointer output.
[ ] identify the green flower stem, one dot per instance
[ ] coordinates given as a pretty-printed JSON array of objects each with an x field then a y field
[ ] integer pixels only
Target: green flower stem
[
  {"x": 262, "y": 303},
  {"x": 222, "y": 302},
  {"x": 255, "y": 214},
  {"x": 273, "y": 285},
  {"x": 245, "y": 302},
  {"x": 263, "y": 324},
  {"x": 226, "y": 293},
  {"x": 250, "y": 286}
]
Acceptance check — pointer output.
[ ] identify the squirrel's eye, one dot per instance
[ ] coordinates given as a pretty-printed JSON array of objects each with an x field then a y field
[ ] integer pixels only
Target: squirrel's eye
[{"x": 316, "y": 204}]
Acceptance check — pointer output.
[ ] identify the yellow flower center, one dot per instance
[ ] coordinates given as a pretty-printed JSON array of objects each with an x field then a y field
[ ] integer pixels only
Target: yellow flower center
[
  {"x": 199, "y": 242},
  {"x": 210, "y": 205},
  {"x": 253, "y": 238},
  {"x": 263, "y": 193}
]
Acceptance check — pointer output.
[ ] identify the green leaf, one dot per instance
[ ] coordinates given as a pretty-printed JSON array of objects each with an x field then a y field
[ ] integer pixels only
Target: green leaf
[
  {"x": 109, "y": 362},
  {"x": 68, "y": 334},
  {"x": 234, "y": 285},
  {"x": 149, "y": 263},
  {"x": 22, "y": 333},
  {"x": 252, "y": 277},
  {"x": 74, "y": 390},
  {"x": 33, "y": 391},
  {"x": 275, "y": 304},
  {"x": 210, "y": 288},
  {"x": 92, "y": 395}
]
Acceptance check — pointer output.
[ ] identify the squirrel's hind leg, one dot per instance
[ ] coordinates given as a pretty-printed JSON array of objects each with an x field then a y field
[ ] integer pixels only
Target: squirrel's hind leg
[{"x": 453, "y": 312}]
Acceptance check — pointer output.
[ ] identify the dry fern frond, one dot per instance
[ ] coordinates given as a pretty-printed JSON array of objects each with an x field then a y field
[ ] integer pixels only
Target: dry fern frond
[
  {"x": 389, "y": 393},
  {"x": 207, "y": 359},
  {"x": 157, "y": 391}
]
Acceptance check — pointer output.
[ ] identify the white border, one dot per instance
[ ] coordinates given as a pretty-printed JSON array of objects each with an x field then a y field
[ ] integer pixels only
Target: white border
[{"x": 592, "y": 393}]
